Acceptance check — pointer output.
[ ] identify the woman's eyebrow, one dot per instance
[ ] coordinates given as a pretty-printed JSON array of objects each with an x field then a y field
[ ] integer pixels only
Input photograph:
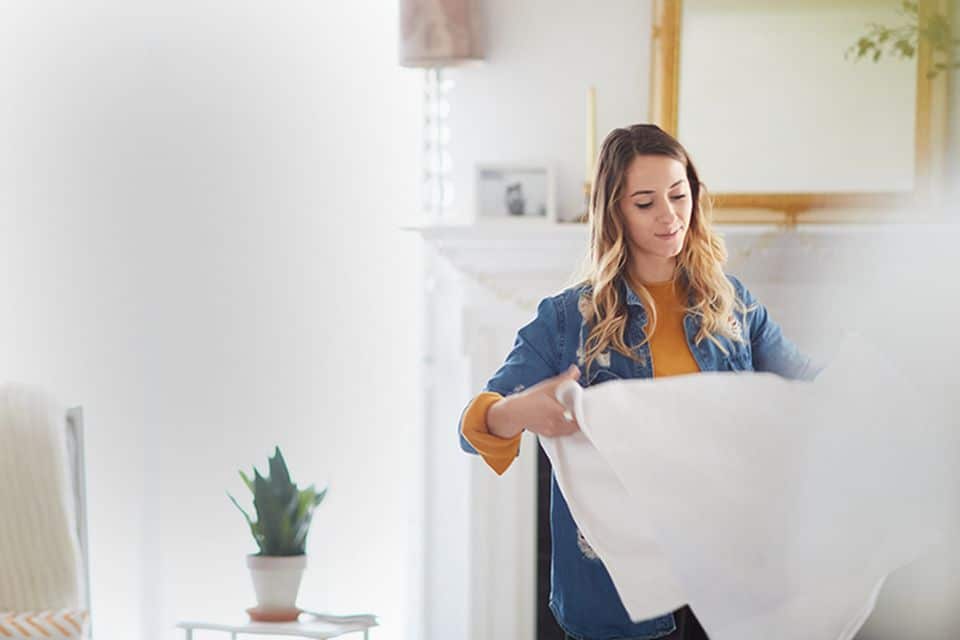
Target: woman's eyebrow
[{"x": 637, "y": 193}]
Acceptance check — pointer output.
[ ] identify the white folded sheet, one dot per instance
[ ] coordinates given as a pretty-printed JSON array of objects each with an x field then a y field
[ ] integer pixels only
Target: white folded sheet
[{"x": 775, "y": 508}]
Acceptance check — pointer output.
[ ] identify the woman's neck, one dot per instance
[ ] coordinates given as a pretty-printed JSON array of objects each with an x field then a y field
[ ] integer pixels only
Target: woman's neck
[{"x": 651, "y": 269}]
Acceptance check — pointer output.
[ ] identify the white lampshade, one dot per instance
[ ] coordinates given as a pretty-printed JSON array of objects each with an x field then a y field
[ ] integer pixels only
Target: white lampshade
[{"x": 436, "y": 33}]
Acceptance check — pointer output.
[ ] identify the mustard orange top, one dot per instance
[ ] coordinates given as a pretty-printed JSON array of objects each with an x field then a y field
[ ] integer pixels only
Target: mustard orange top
[
  {"x": 670, "y": 356},
  {"x": 669, "y": 350},
  {"x": 497, "y": 452}
]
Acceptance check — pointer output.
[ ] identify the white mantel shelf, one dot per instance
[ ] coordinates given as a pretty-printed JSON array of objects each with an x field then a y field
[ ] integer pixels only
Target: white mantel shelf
[
  {"x": 491, "y": 251},
  {"x": 508, "y": 248}
]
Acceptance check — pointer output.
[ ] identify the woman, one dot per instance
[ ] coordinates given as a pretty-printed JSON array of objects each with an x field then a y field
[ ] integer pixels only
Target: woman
[{"x": 654, "y": 302}]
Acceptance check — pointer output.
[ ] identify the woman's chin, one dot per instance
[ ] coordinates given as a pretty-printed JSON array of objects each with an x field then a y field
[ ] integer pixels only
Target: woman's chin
[
  {"x": 669, "y": 247},
  {"x": 673, "y": 250}
]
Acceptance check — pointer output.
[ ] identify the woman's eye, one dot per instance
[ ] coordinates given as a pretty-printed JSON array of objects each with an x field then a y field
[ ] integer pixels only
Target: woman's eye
[{"x": 647, "y": 205}]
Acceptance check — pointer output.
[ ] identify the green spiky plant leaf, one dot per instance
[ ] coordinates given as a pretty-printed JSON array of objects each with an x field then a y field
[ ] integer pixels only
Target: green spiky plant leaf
[{"x": 284, "y": 512}]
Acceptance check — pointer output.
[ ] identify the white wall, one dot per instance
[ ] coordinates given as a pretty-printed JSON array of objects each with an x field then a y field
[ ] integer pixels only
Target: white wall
[
  {"x": 525, "y": 104},
  {"x": 198, "y": 212}
]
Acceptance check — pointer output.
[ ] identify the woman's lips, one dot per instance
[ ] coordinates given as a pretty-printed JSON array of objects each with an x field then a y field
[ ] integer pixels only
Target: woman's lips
[{"x": 669, "y": 235}]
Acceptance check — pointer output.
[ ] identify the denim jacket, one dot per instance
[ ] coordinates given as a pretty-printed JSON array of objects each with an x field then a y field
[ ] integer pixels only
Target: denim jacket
[{"x": 582, "y": 595}]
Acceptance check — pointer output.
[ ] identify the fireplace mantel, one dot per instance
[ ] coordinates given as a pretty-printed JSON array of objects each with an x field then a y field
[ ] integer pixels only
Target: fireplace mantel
[
  {"x": 483, "y": 282},
  {"x": 525, "y": 261}
]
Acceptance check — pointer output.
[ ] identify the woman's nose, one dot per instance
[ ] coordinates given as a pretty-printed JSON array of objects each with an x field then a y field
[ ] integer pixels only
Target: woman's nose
[{"x": 667, "y": 213}]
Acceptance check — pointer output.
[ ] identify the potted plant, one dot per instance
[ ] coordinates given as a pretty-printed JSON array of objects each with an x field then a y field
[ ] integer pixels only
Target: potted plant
[{"x": 283, "y": 520}]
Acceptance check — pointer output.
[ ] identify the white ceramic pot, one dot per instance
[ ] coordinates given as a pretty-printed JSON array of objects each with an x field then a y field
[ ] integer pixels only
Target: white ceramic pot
[{"x": 276, "y": 580}]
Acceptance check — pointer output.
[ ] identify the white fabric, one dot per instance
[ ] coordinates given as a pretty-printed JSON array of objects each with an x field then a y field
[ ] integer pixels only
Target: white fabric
[
  {"x": 775, "y": 508},
  {"x": 627, "y": 545},
  {"x": 40, "y": 566}
]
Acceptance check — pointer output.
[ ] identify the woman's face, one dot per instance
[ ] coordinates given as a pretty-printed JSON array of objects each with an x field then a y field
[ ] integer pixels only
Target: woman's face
[{"x": 656, "y": 206}]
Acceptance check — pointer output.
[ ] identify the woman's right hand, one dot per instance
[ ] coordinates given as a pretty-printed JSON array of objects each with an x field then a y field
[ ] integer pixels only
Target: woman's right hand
[{"x": 535, "y": 409}]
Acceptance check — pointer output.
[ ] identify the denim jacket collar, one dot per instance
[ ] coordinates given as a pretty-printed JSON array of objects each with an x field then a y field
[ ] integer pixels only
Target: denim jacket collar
[
  {"x": 633, "y": 300},
  {"x": 691, "y": 321}
]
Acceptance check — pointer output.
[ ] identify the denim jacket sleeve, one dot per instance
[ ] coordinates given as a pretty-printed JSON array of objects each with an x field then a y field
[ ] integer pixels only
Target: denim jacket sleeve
[
  {"x": 535, "y": 356},
  {"x": 772, "y": 351}
]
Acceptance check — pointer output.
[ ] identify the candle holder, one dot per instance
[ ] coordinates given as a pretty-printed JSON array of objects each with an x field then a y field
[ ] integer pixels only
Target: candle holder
[
  {"x": 591, "y": 152},
  {"x": 585, "y": 216}
]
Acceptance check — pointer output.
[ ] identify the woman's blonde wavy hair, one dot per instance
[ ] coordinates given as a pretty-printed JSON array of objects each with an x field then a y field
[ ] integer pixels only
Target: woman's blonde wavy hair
[{"x": 699, "y": 270}]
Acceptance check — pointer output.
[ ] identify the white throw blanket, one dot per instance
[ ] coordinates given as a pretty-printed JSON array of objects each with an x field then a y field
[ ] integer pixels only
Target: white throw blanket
[
  {"x": 40, "y": 566},
  {"x": 775, "y": 508}
]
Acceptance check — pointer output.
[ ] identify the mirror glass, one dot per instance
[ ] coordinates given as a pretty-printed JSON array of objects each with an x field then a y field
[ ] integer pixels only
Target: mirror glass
[{"x": 774, "y": 106}]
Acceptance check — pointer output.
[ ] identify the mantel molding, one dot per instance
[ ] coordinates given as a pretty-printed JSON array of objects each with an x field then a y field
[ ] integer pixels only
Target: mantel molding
[
  {"x": 508, "y": 248},
  {"x": 513, "y": 259}
]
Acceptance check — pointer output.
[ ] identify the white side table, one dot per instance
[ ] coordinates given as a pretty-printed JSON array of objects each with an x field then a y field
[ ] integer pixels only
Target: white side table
[{"x": 313, "y": 628}]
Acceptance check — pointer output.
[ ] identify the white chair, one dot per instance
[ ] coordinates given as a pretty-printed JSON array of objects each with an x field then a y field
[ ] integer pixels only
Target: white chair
[
  {"x": 77, "y": 473},
  {"x": 44, "y": 540}
]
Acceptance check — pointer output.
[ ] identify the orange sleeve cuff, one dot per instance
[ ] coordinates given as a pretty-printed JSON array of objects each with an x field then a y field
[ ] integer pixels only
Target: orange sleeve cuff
[{"x": 497, "y": 452}]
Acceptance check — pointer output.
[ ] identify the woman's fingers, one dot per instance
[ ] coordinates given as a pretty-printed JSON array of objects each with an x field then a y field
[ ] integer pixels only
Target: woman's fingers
[
  {"x": 551, "y": 419},
  {"x": 568, "y": 423},
  {"x": 539, "y": 408},
  {"x": 564, "y": 429},
  {"x": 562, "y": 421},
  {"x": 572, "y": 373}
]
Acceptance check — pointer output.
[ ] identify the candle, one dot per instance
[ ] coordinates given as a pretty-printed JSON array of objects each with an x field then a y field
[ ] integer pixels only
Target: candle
[{"x": 591, "y": 148}]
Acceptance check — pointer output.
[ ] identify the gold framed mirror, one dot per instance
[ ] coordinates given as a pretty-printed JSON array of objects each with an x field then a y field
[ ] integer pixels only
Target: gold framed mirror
[{"x": 782, "y": 127}]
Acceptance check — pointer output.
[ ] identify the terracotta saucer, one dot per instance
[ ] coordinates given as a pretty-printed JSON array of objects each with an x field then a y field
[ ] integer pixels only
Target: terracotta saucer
[{"x": 260, "y": 614}]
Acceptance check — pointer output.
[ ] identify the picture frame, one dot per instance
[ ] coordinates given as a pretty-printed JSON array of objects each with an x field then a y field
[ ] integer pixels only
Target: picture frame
[
  {"x": 515, "y": 194},
  {"x": 678, "y": 74}
]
